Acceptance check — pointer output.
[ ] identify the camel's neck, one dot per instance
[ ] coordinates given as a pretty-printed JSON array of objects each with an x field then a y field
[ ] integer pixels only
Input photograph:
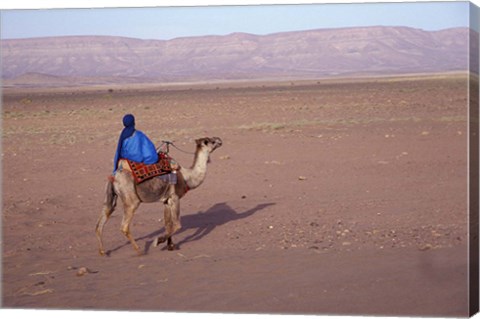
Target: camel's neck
[{"x": 195, "y": 175}]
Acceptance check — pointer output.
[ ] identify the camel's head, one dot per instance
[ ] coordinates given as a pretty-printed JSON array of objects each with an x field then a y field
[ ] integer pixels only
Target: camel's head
[{"x": 209, "y": 143}]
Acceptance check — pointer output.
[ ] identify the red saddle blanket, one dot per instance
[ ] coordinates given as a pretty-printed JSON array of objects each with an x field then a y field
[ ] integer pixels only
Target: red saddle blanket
[{"x": 142, "y": 171}]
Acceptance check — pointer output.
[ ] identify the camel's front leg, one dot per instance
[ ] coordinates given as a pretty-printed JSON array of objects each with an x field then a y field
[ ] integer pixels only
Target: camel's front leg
[{"x": 172, "y": 222}]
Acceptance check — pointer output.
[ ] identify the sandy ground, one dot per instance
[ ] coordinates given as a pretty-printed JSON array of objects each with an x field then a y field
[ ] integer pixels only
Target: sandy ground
[{"x": 325, "y": 198}]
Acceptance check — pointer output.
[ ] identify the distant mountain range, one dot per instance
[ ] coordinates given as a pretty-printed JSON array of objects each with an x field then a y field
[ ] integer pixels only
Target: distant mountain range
[{"x": 289, "y": 55}]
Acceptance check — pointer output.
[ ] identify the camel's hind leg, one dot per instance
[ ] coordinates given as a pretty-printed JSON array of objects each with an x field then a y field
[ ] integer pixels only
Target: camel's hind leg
[
  {"x": 106, "y": 212},
  {"x": 129, "y": 211},
  {"x": 108, "y": 208},
  {"x": 172, "y": 222},
  {"x": 125, "y": 188}
]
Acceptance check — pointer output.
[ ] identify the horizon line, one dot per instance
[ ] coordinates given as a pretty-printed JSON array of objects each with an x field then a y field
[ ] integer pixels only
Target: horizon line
[{"x": 236, "y": 32}]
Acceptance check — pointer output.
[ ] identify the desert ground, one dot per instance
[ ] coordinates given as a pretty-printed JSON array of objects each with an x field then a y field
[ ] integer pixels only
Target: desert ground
[{"x": 327, "y": 197}]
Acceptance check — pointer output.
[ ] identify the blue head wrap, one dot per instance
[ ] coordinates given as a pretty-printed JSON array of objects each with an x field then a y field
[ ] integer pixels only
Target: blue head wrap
[{"x": 129, "y": 123}]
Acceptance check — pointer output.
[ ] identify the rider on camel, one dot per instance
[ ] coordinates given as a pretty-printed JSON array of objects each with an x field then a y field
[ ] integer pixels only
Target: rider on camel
[{"x": 134, "y": 145}]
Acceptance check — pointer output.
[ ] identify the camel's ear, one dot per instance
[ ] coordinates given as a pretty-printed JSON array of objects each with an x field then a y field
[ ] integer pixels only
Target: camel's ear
[{"x": 201, "y": 141}]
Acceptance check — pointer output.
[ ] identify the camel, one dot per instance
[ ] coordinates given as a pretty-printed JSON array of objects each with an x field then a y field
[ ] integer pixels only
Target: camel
[{"x": 154, "y": 190}]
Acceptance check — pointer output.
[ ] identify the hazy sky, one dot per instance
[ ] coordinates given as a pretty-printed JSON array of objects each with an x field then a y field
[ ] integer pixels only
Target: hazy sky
[{"x": 172, "y": 22}]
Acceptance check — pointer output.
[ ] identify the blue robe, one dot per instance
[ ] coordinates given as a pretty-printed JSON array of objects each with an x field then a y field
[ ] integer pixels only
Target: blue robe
[{"x": 138, "y": 148}]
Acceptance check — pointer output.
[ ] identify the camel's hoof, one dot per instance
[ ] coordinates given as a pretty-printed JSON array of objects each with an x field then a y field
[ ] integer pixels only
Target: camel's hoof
[
  {"x": 158, "y": 240},
  {"x": 101, "y": 252},
  {"x": 172, "y": 247}
]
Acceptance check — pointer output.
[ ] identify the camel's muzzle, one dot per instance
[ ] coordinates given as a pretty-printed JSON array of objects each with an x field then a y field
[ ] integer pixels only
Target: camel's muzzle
[{"x": 217, "y": 142}]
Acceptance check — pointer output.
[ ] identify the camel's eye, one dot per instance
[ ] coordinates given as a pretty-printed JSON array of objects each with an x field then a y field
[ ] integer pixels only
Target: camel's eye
[{"x": 205, "y": 142}]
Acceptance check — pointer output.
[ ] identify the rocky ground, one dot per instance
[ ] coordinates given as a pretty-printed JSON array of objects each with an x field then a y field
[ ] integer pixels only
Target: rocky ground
[{"x": 327, "y": 197}]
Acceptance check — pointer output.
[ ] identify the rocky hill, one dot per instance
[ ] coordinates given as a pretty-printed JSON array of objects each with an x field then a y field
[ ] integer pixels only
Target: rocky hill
[{"x": 302, "y": 54}]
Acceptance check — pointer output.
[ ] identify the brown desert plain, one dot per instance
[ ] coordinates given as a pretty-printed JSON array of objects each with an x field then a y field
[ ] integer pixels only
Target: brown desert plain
[{"x": 327, "y": 197}]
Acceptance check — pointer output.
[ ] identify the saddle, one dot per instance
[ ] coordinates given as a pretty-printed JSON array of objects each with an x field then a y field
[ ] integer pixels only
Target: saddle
[{"x": 141, "y": 171}]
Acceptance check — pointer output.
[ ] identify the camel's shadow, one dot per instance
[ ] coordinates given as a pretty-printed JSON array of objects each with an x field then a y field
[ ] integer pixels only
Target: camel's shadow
[
  {"x": 217, "y": 215},
  {"x": 203, "y": 223}
]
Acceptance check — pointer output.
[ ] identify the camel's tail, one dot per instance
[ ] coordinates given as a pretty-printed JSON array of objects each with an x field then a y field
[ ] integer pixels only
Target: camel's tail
[
  {"x": 108, "y": 207},
  {"x": 110, "y": 196}
]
